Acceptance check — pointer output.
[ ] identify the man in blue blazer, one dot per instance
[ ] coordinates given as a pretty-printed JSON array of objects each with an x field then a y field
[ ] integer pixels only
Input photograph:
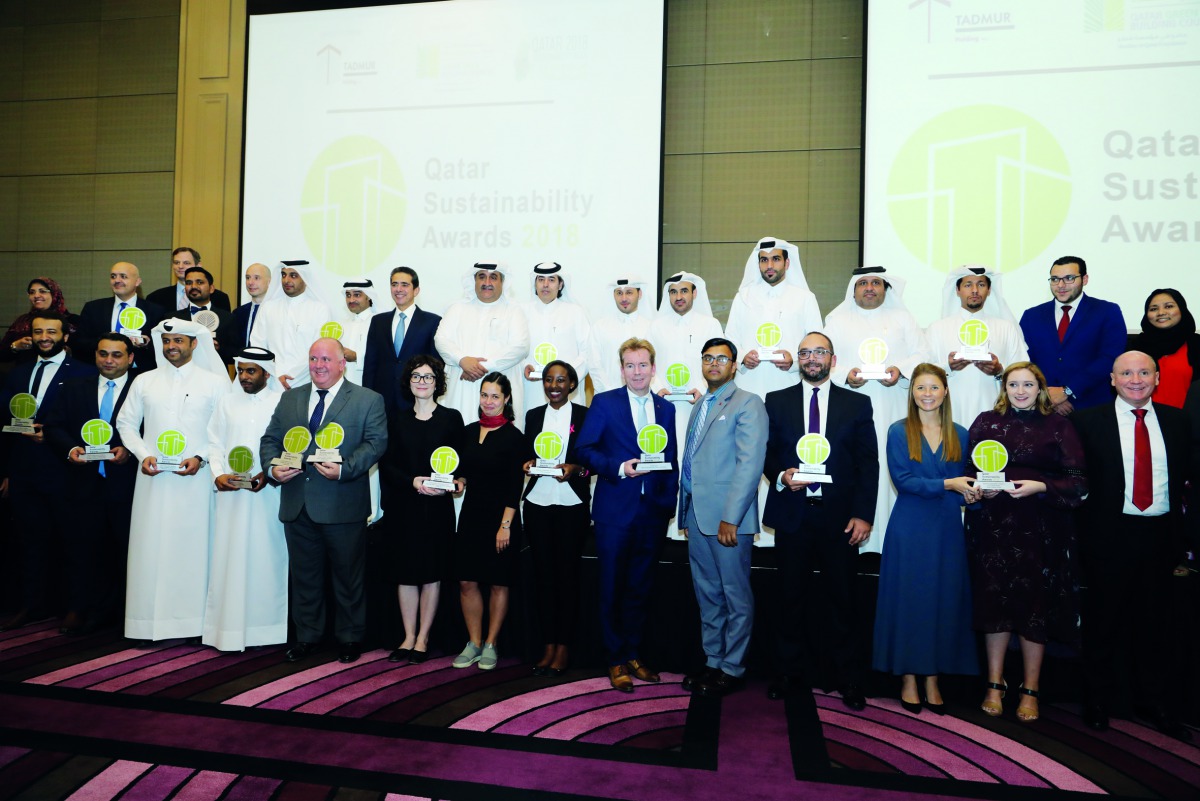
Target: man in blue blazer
[
  {"x": 722, "y": 459},
  {"x": 395, "y": 338},
  {"x": 1074, "y": 339},
  {"x": 631, "y": 507}
]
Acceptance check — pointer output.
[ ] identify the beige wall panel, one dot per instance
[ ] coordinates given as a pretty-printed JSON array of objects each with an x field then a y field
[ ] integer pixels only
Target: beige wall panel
[
  {"x": 833, "y": 194},
  {"x": 12, "y": 59},
  {"x": 202, "y": 210},
  {"x": 70, "y": 269},
  {"x": 837, "y": 28},
  {"x": 685, "y": 110},
  {"x": 60, "y": 60},
  {"x": 47, "y": 12},
  {"x": 124, "y": 9},
  {"x": 10, "y": 129},
  {"x": 154, "y": 263},
  {"x": 827, "y": 267},
  {"x": 685, "y": 31},
  {"x": 752, "y": 107},
  {"x": 675, "y": 258},
  {"x": 837, "y": 93},
  {"x": 10, "y": 204},
  {"x": 758, "y": 30},
  {"x": 139, "y": 56},
  {"x": 721, "y": 267},
  {"x": 212, "y": 50},
  {"x": 56, "y": 212},
  {"x": 136, "y": 133},
  {"x": 746, "y": 195},
  {"x": 682, "y": 195},
  {"x": 58, "y": 137},
  {"x": 12, "y": 289},
  {"x": 133, "y": 210}
]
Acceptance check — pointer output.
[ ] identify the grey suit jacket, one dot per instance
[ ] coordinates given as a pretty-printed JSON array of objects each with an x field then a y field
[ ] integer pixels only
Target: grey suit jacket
[
  {"x": 360, "y": 412},
  {"x": 728, "y": 462}
]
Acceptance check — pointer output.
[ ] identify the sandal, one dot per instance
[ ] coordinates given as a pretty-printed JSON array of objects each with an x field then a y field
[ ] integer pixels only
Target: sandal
[
  {"x": 1023, "y": 713},
  {"x": 995, "y": 708}
]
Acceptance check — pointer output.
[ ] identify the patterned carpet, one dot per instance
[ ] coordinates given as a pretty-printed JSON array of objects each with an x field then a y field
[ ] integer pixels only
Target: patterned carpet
[{"x": 95, "y": 719}]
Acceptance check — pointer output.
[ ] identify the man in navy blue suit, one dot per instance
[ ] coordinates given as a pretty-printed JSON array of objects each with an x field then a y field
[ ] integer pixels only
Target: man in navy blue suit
[
  {"x": 631, "y": 507},
  {"x": 1074, "y": 339},
  {"x": 395, "y": 338},
  {"x": 258, "y": 280},
  {"x": 102, "y": 315}
]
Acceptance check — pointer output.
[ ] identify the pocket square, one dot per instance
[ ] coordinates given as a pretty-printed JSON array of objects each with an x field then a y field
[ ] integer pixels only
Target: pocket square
[{"x": 719, "y": 419}]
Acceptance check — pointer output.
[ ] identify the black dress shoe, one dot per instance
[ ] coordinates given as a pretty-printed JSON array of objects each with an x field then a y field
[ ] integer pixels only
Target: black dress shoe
[
  {"x": 300, "y": 650},
  {"x": 784, "y": 686},
  {"x": 416, "y": 657},
  {"x": 720, "y": 685},
  {"x": 853, "y": 698},
  {"x": 937, "y": 709},
  {"x": 401, "y": 655},
  {"x": 1095, "y": 717},
  {"x": 1166, "y": 723},
  {"x": 691, "y": 680},
  {"x": 17, "y": 620},
  {"x": 349, "y": 652},
  {"x": 912, "y": 707}
]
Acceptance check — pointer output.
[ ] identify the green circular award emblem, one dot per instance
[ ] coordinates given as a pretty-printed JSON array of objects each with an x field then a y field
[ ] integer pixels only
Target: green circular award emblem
[
  {"x": 132, "y": 318},
  {"x": 873, "y": 350},
  {"x": 332, "y": 330},
  {"x": 171, "y": 442},
  {"x": 678, "y": 375},
  {"x": 297, "y": 439},
  {"x": 331, "y": 436},
  {"x": 768, "y": 335},
  {"x": 990, "y": 456},
  {"x": 547, "y": 445},
  {"x": 652, "y": 439},
  {"x": 444, "y": 460},
  {"x": 973, "y": 333},
  {"x": 545, "y": 353},
  {"x": 241, "y": 459},
  {"x": 23, "y": 405},
  {"x": 96, "y": 432},
  {"x": 812, "y": 449}
]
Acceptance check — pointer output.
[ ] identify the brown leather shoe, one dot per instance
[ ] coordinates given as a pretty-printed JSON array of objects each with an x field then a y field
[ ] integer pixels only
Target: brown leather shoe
[
  {"x": 642, "y": 672},
  {"x": 618, "y": 676}
]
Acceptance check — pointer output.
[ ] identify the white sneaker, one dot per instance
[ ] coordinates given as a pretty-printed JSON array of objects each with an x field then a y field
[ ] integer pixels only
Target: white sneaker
[
  {"x": 468, "y": 657},
  {"x": 489, "y": 657}
]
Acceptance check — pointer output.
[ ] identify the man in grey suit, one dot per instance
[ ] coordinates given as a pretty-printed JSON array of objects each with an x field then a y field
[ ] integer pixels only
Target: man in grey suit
[
  {"x": 723, "y": 458},
  {"x": 324, "y": 506}
]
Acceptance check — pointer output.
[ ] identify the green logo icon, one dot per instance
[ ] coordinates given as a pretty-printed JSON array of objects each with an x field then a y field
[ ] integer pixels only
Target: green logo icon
[
  {"x": 547, "y": 445},
  {"x": 873, "y": 350},
  {"x": 990, "y": 456},
  {"x": 679, "y": 376},
  {"x": 332, "y": 330},
  {"x": 768, "y": 335},
  {"x": 132, "y": 318},
  {"x": 23, "y": 405},
  {"x": 545, "y": 353},
  {"x": 444, "y": 460},
  {"x": 812, "y": 449},
  {"x": 980, "y": 184},
  {"x": 973, "y": 333},
  {"x": 652, "y": 439},
  {"x": 297, "y": 439},
  {"x": 96, "y": 432},
  {"x": 352, "y": 206},
  {"x": 171, "y": 442},
  {"x": 331, "y": 436},
  {"x": 241, "y": 459}
]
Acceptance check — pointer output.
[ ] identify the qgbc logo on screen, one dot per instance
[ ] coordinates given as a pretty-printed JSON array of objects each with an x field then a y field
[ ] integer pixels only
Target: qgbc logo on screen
[
  {"x": 981, "y": 184},
  {"x": 352, "y": 205}
]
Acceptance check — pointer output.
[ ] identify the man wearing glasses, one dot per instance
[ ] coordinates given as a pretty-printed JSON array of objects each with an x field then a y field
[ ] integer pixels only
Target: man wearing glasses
[{"x": 1074, "y": 338}]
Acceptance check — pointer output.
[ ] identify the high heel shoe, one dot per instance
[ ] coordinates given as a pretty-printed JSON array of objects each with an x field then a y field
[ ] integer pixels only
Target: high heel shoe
[
  {"x": 995, "y": 708},
  {"x": 912, "y": 707},
  {"x": 1026, "y": 715}
]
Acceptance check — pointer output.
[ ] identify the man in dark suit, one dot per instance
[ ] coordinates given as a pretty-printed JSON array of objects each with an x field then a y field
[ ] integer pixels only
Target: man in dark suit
[
  {"x": 174, "y": 297},
  {"x": 324, "y": 506},
  {"x": 102, "y": 315},
  {"x": 631, "y": 507},
  {"x": 1131, "y": 536},
  {"x": 199, "y": 286},
  {"x": 32, "y": 474},
  {"x": 97, "y": 519},
  {"x": 257, "y": 278},
  {"x": 395, "y": 338},
  {"x": 820, "y": 524},
  {"x": 1074, "y": 338}
]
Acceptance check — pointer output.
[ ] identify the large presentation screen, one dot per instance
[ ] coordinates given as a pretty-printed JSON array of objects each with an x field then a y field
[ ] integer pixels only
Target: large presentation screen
[
  {"x": 1008, "y": 133},
  {"x": 441, "y": 134}
]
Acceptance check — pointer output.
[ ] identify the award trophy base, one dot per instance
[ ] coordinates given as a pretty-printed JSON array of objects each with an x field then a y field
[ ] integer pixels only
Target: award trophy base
[
  {"x": 993, "y": 481},
  {"x": 814, "y": 473},
  {"x": 652, "y": 461},
  {"x": 442, "y": 481},
  {"x": 977, "y": 353},
  {"x": 20, "y": 425},
  {"x": 170, "y": 464},
  {"x": 771, "y": 355},
  {"x": 873, "y": 372},
  {"x": 96, "y": 453},
  {"x": 241, "y": 481},
  {"x": 545, "y": 467},
  {"x": 676, "y": 397},
  {"x": 292, "y": 460},
  {"x": 326, "y": 455},
  {"x": 536, "y": 375}
]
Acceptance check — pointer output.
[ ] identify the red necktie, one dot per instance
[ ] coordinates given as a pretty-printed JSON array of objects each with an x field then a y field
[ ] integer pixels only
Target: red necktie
[
  {"x": 1063, "y": 323},
  {"x": 1143, "y": 485}
]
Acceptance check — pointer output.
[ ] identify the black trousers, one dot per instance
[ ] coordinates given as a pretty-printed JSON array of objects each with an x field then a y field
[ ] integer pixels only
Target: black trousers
[
  {"x": 556, "y": 535},
  {"x": 343, "y": 547}
]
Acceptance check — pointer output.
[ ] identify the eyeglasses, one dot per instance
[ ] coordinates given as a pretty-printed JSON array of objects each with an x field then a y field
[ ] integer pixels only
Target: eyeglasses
[
  {"x": 708, "y": 358},
  {"x": 820, "y": 353},
  {"x": 422, "y": 378},
  {"x": 1063, "y": 279}
]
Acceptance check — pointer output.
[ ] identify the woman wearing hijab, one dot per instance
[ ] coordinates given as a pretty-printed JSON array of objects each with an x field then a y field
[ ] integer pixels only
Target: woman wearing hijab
[{"x": 44, "y": 295}]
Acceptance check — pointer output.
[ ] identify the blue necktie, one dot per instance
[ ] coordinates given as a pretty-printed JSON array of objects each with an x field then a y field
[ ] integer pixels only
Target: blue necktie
[
  {"x": 694, "y": 438},
  {"x": 106, "y": 410},
  {"x": 121, "y": 308},
  {"x": 193, "y": 309},
  {"x": 314, "y": 422},
  {"x": 398, "y": 339}
]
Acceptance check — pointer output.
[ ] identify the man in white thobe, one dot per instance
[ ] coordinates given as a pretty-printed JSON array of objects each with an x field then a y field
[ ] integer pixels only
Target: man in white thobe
[
  {"x": 290, "y": 320},
  {"x": 362, "y": 302},
  {"x": 554, "y": 320},
  {"x": 482, "y": 333},
  {"x": 874, "y": 310},
  {"x": 627, "y": 319},
  {"x": 972, "y": 293},
  {"x": 169, "y": 528},
  {"x": 248, "y": 570}
]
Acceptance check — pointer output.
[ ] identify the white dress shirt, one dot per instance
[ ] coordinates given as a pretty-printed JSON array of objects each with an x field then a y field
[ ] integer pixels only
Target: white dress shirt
[
  {"x": 1160, "y": 504},
  {"x": 48, "y": 373}
]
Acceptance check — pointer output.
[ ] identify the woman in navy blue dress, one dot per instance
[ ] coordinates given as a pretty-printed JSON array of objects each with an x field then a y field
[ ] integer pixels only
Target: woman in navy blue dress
[{"x": 923, "y": 611}]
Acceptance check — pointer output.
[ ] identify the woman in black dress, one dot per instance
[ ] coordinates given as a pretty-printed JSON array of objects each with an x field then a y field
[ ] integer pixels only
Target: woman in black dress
[
  {"x": 556, "y": 515},
  {"x": 488, "y": 528},
  {"x": 420, "y": 522}
]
